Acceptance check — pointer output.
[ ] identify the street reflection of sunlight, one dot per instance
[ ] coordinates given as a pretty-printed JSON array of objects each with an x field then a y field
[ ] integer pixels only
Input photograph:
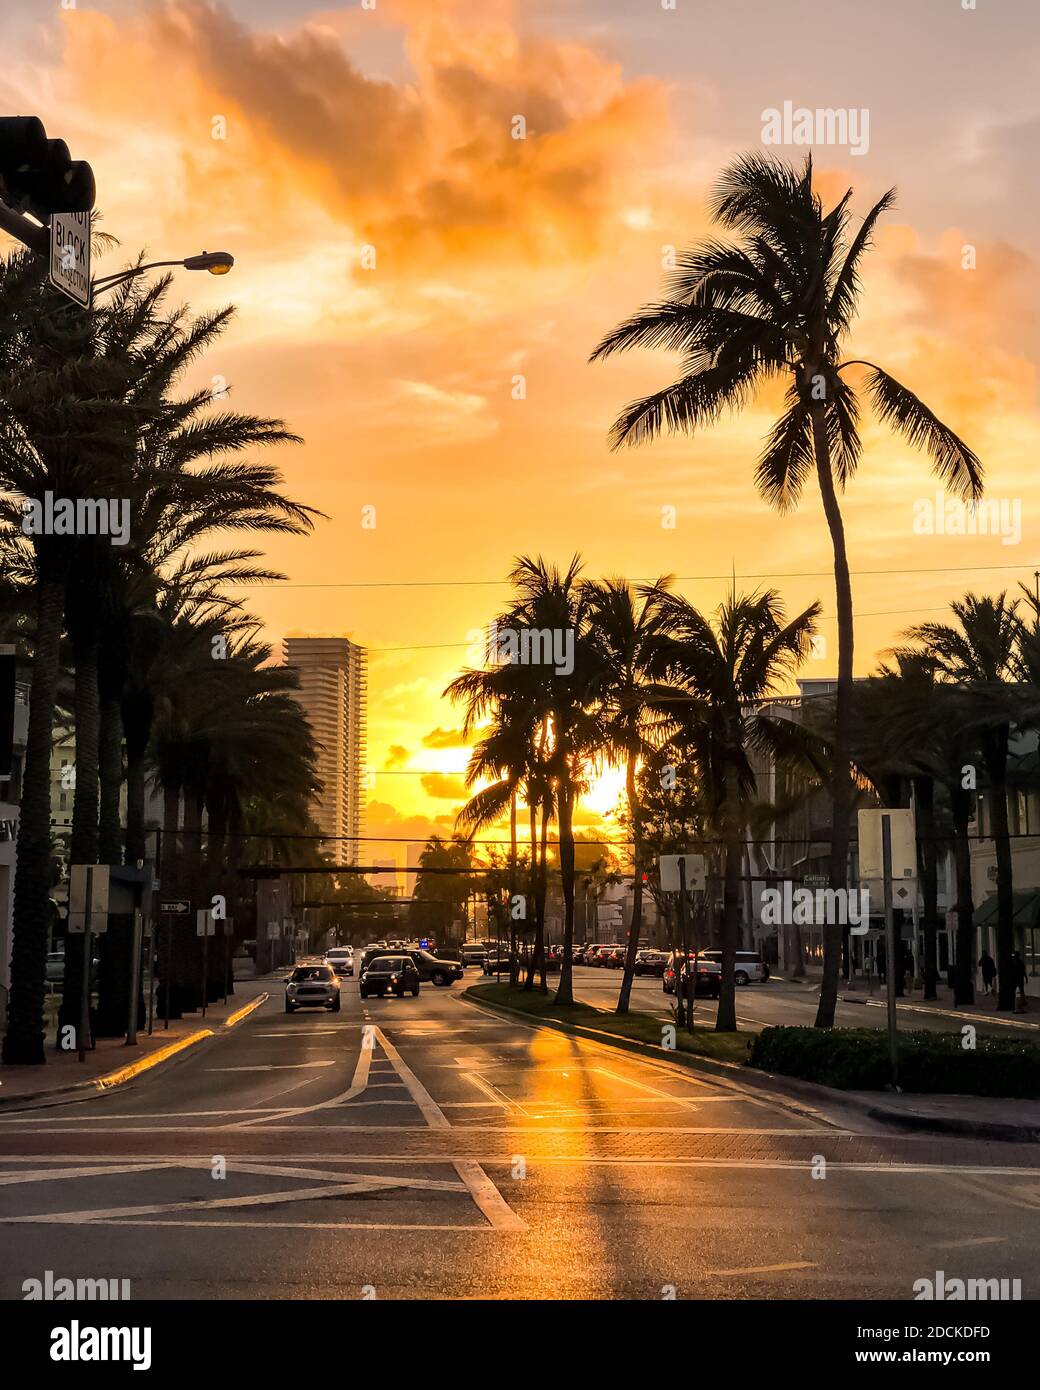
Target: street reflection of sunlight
[{"x": 569, "y": 1238}]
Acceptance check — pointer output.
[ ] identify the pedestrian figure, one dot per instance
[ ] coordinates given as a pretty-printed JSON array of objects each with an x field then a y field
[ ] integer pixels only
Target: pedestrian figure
[
  {"x": 988, "y": 966},
  {"x": 1018, "y": 974}
]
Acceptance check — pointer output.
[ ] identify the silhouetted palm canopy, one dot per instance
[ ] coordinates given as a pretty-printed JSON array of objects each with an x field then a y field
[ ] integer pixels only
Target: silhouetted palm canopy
[{"x": 779, "y": 304}]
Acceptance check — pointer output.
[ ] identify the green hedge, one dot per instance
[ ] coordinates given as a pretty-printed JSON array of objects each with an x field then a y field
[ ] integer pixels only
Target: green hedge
[{"x": 856, "y": 1059}]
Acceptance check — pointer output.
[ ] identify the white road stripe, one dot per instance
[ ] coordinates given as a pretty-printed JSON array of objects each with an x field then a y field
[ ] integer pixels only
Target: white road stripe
[{"x": 499, "y": 1213}]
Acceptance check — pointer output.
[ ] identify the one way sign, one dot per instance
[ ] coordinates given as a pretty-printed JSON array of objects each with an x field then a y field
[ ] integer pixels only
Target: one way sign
[{"x": 70, "y": 255}]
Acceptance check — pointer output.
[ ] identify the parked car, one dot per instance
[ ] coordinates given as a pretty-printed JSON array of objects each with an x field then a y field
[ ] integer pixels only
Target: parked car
[
  {"x": 496, "y": 963},
  {"x": 312, "y": 987},
  {"x": 473, "y": 953},
  {"x": 341, "y": 959},
  {"x": 651, "y": 963},
  {"x": 389, "y": 975},
  {"x": 749, "y": 966}
]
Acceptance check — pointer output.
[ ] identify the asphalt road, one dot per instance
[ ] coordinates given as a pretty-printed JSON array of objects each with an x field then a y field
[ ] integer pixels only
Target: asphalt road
[
  {"x": 779, "y": 1001},
  {"x": 423, "y": 1148}
]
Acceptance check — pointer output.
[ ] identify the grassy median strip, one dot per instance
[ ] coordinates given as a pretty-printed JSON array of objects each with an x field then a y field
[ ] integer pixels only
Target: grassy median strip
[{"x": 702, "y": 1042}]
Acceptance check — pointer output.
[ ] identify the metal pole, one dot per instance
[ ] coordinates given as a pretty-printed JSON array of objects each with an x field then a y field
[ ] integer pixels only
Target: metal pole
[
  {"x": 890, "y": 948},
  {"x": 135, "y": 977},
  {"x": 205, "y": 962},
  {"x": 686, "y": 1009},
  {"x": 166, "y": 971},
  {"x": 84, "y": 1013},
  {"x": 150, "y": 939},
  {"x": 227, "y": 960}
]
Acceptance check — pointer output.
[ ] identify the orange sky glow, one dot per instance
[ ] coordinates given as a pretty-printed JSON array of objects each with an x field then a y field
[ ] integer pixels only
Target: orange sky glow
[{"x": 402, "y": 259}]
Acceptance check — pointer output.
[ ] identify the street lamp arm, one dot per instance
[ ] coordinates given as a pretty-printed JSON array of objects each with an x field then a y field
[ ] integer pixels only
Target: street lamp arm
[{"x": 108, "y": 282}]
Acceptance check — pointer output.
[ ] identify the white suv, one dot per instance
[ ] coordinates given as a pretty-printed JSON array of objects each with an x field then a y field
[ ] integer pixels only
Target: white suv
[
  {"x": 341, "y": 958},
  {"x": 749, "y": 966}
]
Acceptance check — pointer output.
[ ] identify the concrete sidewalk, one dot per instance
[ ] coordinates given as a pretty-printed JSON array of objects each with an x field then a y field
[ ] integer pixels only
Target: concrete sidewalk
[{"x": 112, "y": 1063}]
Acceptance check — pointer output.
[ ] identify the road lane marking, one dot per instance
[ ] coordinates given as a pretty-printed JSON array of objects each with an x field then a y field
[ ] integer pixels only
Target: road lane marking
[
  {"x": 500, "y": 1215},
  {"x": 356, "y": 1087},
  {"x": 85, "y": 1218},
  {"x": 277, "y": 1066},
  {"x": 495, "y": 1097},
  {"x": 762, "y": 1269}
]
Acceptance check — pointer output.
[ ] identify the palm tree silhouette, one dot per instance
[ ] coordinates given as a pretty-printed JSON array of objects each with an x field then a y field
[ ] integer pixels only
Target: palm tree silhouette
[{"x": 779, "y": 304}]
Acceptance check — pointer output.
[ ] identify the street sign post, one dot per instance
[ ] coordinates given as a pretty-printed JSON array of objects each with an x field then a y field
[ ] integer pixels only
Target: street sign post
[
  {"x": 88, "y": 914},
  {"x": 175, "y": 907},
  {"x": 205, "y": 926},
  {"x": 170, "y": 908},
  {"x": 693, "y": 871},
  {"x": 70, "y": 255},
  {"x": 135, "y": 979}
]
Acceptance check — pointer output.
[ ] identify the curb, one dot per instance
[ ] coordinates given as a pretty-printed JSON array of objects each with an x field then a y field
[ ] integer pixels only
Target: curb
[
  {"x": 785, "y": 1087},
  {"x": 122, "y": 1076}
]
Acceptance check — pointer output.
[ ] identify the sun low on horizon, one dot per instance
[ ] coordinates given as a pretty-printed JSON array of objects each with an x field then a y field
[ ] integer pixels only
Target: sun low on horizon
[{"x": 437, "y": 209}]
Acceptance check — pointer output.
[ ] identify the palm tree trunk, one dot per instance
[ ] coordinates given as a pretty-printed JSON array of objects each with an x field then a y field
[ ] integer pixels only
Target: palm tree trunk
[
  {"x": 842, "y": 785},
  {"x": 533, "y": 814},
  {"x": 83, "y": 842},
  {"x": 565, "y": 992},
  {"x": 924, "y": 802},
  {"x": 625, "y": 993},
  {"x": 726, "y": 1018},
  {"x": 110, "y": 771},
  {"x": 23, "y": 1041},
  {"x": 995, "y": 743},
  {"x": 512, "y": 886},
  {"x": 964, "y": 966}
]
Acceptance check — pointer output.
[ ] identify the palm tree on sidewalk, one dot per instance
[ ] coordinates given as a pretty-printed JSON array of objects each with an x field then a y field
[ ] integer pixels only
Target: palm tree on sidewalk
[
  {"x": 978, "y": 653},
  {"x": 624, "y": 626},
  {"x": 728, "y": 666},
  {"x": 779, "y": 305}
]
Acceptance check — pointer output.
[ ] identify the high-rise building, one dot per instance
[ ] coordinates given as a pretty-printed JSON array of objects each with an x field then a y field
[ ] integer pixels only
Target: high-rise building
[{"x": 333, "y": 693}]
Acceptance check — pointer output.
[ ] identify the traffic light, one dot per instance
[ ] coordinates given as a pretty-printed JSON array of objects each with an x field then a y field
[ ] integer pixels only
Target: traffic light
[{"x": 38, "y": 175}]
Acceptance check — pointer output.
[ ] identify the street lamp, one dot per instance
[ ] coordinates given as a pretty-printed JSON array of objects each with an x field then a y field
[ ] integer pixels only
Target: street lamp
[{"x": 216, "y": 262}]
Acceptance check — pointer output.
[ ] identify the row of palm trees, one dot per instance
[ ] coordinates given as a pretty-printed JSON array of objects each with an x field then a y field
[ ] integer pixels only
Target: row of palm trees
[
  {"x": 158, "y": 667},
  {"x": 690, "y": 706},
  {"x": 655, "y": 684}
]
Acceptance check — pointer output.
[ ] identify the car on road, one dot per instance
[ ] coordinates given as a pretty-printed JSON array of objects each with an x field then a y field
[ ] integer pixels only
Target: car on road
[
  {"x": 749, "y": 966},
  {"x": 341, "y": 959},
  {"x": 708, "y": 980},
  {"x": 385, "y": 975},
  {"x": 651, "y": 963},
  {"x": 473, "y": 953},
  {"x": 496, "y": 963},
  {"x": 432, "y": 969},
  {"x": 312, "y": 987},
  {"x": 596, "y": 955}
]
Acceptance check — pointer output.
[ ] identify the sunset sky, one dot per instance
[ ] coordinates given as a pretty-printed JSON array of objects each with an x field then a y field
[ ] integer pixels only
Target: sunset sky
[{"x": 346, "y": 127}]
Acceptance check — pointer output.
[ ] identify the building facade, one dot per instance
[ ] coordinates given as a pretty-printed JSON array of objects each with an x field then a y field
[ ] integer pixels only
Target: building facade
[{"x": 333, "y": 694}]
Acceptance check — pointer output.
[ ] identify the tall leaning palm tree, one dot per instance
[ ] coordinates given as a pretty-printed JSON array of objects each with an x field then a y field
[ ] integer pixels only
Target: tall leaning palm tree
[{"x": 779, "y": 304}]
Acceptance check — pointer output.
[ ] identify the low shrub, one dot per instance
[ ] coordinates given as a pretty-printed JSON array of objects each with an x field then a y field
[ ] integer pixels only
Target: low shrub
[{"x": 856, "y": 1059}]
